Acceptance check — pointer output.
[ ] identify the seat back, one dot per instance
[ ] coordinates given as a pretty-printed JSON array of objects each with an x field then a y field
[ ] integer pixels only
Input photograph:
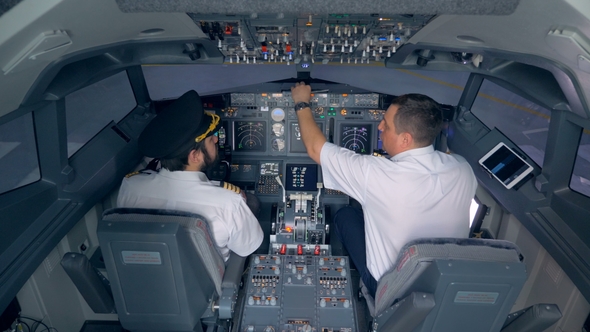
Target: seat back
[
  {"x": 163, "y": 267},
  {"x": 474, "y": 283}
]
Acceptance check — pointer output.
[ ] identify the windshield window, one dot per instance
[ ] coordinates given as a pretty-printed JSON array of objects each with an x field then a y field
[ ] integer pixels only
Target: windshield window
[
  {"x": 525, "y": 123},
  {"x": 90, "y": 109}
]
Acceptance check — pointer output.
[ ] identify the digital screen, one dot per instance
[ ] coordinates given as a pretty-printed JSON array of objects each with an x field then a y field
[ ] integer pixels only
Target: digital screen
[
  {"x": 295, "y": 141},
  {"x": 249, "y": 136},
  {"x": 356, "y": 137},
  {"x": 505, "y": 165},
  {"x": 269, "y": 168},
  {"x": 243, "y": 172},
  {"x": 301, "y": 177}
]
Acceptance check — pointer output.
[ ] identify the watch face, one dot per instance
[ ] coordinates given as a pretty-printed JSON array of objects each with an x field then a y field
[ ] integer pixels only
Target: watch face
[{"x": 301, "y": 105}]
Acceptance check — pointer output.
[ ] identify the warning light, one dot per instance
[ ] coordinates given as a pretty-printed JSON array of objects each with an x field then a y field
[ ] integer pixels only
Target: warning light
[
  {"x": 345, "y": 95},
  {"x": 289, "y": 229}
]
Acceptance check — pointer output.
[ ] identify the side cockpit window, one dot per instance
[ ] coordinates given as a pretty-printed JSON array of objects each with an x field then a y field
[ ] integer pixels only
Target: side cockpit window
[
  {"x": 18, "y": 153},
  {"x": 524, "y": 122},
  {"x": 90, "y": 109},
  {"x": 580, "y": 180}
]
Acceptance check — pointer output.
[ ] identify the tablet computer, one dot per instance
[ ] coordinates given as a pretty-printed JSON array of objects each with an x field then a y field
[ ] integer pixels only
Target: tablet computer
[{"x": 505, "y": 165}]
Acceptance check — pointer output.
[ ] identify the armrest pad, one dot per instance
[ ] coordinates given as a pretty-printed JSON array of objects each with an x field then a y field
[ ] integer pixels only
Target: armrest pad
[{"x": 233, "y": 271}]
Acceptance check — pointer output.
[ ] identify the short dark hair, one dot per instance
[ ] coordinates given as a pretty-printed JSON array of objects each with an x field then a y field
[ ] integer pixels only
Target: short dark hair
[
  {"x": 179, "y": 163},
  {"x": 418, "y": 115}
]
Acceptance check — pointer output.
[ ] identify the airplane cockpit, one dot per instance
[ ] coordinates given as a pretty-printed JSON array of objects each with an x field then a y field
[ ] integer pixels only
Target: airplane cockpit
[{"x": 81, "y": 80}]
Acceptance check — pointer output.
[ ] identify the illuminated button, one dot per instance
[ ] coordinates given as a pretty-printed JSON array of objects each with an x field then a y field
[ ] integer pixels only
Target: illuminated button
[{"x": 343, "y": 112}]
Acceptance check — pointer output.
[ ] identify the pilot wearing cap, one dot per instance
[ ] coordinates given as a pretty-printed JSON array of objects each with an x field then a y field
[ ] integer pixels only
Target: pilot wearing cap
[{"x": 183, "y": 137}]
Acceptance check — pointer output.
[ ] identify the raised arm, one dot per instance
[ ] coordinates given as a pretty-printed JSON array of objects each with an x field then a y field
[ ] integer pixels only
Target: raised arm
[{"x": 312, "y": 136}]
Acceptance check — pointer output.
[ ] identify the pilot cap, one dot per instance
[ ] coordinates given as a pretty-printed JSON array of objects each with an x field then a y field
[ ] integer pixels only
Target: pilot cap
[{"x": 177, "y": 128}]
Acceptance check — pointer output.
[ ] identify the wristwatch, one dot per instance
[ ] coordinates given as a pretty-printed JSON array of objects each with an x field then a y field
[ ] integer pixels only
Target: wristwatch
[{"x": 301, "y": 105}]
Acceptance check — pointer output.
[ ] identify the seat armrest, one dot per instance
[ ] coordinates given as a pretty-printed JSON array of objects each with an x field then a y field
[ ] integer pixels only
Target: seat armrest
[
  {"x": 230, "y": 285},
  {"x": 233, "y": 271}
]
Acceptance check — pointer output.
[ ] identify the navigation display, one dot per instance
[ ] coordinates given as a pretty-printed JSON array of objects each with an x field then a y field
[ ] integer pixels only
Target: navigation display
[
  {"x": 356, "y": 137},
  {"x": 249, "y": 136},
  {"x": 301, "y": 177}
]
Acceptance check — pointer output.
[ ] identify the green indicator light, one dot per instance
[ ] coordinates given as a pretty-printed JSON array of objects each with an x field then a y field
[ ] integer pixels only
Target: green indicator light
[
  {"x": 331, "y": 108},
  {"x": 321, "y": 116}
]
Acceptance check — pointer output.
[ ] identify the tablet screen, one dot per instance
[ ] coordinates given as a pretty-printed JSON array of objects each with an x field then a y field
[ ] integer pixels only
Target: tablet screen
[{"x": 505, "y": 165}]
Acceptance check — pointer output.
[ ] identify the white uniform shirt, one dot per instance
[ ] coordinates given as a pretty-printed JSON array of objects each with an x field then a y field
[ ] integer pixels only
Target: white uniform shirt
[
  {"x": 415, "y": 194},
  {"x": 233, "y": 225}
]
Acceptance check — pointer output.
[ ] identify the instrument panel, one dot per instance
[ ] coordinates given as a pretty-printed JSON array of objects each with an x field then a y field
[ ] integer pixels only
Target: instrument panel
[{"x": 265, "y": 123}]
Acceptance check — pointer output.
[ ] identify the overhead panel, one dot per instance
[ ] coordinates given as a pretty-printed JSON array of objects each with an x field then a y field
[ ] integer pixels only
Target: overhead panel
[{"x": 333, "y": 38}]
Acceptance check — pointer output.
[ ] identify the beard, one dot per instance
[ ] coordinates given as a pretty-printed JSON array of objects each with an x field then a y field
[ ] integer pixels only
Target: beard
[{"x": 210, "y": 162}]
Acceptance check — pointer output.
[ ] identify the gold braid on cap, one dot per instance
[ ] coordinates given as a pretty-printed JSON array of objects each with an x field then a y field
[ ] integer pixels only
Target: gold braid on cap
[{"x": 212, "y": 126}]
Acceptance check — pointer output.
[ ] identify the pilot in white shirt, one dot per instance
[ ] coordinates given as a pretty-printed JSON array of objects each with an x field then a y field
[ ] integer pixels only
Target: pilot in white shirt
[
  {"x": 183, "y": 137},
  {"x": 418, "y": 192}
]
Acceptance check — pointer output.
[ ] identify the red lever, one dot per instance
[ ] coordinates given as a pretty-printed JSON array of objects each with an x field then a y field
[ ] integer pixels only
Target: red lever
[
  {"x": 299, "y": 249},
  {"x": 316, "y": 251},
  {"x": 283, "y": 249}
]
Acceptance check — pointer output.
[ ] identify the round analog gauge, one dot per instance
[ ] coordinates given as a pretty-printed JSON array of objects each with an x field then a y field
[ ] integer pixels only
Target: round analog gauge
[
  {"x": 278, "y": 129},
  {"x": 356, "y": 138},
  {"x": 319, "y": 110},
  {"x": 278, "y": 144},
  {"x": 278, "y": 114},
  {"x": 249, "y": 136}
]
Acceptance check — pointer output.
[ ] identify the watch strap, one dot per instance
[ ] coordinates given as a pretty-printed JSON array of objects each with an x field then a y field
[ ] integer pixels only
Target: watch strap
[{"x": 301, "y": 105}]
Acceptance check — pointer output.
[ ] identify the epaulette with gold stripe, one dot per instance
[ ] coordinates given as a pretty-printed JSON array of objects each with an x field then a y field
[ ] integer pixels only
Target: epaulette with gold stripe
[
  {"x": 143, "y": 171},
  {"x": 229, "y": 186},
  {"x": 132, "y": 174}
]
